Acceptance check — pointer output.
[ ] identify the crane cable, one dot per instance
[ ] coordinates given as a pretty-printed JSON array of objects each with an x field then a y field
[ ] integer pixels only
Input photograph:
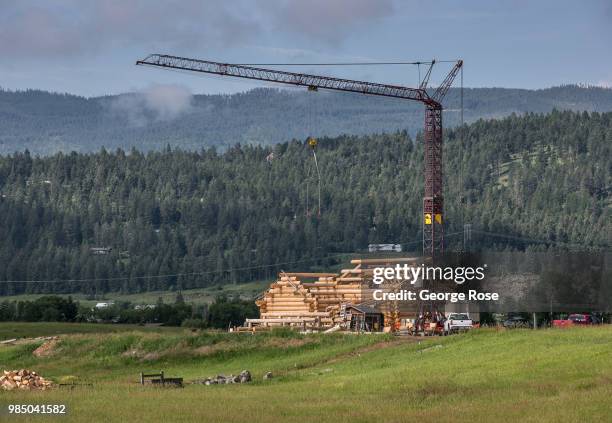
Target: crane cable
[
  {"x": 308, "y": 137},
  {"x": 312, "y": 143},
  {"x": 314, "y": 154},
  {"x": 387, "y": 63},
  {"x": 463, "y": 200}
]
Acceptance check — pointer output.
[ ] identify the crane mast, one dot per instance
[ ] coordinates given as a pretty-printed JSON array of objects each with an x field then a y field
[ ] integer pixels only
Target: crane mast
[{"x": 433, "y": 200}]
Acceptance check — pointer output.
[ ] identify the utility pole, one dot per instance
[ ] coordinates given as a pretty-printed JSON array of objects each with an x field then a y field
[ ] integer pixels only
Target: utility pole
[{"x": 467, "y": 236}]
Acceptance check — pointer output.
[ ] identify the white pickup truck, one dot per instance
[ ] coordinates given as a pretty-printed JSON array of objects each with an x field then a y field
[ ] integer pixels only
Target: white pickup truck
[{"x": 457, "y": 322}]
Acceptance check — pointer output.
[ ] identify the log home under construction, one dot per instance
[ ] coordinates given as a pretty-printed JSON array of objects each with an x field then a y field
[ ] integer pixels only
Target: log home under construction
[{"x": 330, "y": 301}]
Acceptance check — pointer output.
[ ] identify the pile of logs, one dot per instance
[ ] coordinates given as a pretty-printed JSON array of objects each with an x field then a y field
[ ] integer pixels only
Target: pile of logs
[
  {"x": 313, "y": 301},
  {"x": 23, "y": 379}
]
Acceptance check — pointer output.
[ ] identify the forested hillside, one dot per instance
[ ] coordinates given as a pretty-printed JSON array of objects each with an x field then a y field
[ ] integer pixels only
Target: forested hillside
[
  {"x": 47, "y": 123},
  {"x": 198, "y": 214}
]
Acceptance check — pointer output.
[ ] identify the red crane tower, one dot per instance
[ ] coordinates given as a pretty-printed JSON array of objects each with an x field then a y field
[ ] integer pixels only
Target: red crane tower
[{"x": 433, "y": 200}]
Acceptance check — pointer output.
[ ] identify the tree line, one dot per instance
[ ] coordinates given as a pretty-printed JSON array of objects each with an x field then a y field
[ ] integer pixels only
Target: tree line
[{"x": 223, "y": 312}]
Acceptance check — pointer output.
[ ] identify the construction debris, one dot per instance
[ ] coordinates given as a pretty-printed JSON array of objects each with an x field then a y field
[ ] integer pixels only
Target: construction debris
[
  {"x": 243, "y": 377},
  {"x": 23, "y": 379},
  {"x": 20, "y": 341}
]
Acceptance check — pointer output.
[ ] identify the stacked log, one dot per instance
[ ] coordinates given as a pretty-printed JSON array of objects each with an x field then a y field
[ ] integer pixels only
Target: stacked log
[
  {"x": 290, "y": 301},
  {"x": 23, "y": 379},
  {"x": 295, "y": 299}
]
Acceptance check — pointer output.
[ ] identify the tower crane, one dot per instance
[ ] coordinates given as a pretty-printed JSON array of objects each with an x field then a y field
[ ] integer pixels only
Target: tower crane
[{"x": 433, "y": 200}]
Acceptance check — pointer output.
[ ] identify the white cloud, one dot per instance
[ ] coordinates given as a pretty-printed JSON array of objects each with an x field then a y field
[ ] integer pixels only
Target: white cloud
[
  {"x": 154, "y": 103},
  {"x": 167, "y": 101}
]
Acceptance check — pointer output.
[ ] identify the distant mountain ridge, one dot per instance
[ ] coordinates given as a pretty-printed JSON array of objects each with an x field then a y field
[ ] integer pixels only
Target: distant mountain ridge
[{"x": 45, "y": 123}]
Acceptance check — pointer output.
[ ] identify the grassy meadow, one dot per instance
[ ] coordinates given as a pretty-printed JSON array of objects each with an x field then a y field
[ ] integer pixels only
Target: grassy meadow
[
  {"x": 486, "y": 375},
  {"x": 10, "y": 330}
]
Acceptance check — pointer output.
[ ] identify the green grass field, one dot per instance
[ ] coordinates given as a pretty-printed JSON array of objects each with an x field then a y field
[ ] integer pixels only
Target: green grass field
[
  {"x": 10, "y": 330},
  {"x": 486, "y": 375}
]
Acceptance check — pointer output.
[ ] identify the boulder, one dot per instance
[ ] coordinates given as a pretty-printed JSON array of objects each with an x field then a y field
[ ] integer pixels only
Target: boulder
[{"x": 244, "y": 376}]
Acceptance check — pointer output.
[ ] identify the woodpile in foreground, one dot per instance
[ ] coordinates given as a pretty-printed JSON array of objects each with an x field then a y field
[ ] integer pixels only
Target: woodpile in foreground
[{"x": 23, "y": 379}]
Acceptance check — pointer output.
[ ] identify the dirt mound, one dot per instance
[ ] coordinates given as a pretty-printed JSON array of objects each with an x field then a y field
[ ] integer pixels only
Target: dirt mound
[{"x": 46, "y": 349}]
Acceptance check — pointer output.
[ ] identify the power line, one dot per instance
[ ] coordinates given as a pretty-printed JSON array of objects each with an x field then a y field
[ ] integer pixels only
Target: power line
[
  {"x": 271, "y": 265},
  {"x": 540, "y": 241},
  {"x": 211, "y": 272},
  {"x": 175, "y": 274}
]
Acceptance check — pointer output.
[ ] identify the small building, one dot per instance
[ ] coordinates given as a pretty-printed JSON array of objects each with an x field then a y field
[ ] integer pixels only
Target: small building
[
  {"x": 144, "y": 306},
  {"x": 373, "y": 248},
  {"x": 100, "y": 251},
  {"x": 364, "y": 318}
]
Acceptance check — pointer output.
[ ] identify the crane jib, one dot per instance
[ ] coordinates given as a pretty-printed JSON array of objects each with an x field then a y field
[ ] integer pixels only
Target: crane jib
[{"x": 284, "y": 77}]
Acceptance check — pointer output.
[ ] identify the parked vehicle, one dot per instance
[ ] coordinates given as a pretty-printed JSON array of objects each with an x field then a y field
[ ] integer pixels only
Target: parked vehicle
[
  {"x": 516, "y": 322},
  {"x": 427, "y": 324},
  {"x": 577, "y": 319},
  {"x": 582, "y": 319},
  {"x": 457, "y": 322}
]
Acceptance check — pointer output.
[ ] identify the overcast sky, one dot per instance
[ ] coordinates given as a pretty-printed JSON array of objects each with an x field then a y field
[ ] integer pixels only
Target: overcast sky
[{"x": 89, "y": 47}]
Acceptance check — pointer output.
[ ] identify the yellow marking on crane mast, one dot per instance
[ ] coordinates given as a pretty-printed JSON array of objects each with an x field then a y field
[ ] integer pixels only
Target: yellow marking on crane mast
[{"x": 427, "y": 219}]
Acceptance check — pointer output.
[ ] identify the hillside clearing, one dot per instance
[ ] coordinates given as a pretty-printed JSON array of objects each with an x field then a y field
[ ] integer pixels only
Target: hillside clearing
[{"x": 193, "y": 296}]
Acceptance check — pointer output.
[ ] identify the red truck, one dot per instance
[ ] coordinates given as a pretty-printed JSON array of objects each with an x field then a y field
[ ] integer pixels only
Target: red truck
[{"x": 576, "y": 319}]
